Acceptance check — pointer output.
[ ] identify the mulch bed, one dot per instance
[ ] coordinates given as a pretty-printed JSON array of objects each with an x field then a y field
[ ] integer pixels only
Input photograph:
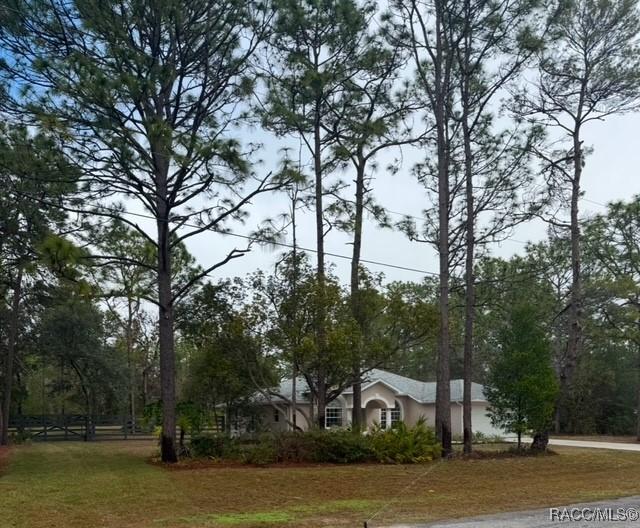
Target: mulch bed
[
  {"x": 480, "y": 454},
  {"x": 209, "y": 463}
]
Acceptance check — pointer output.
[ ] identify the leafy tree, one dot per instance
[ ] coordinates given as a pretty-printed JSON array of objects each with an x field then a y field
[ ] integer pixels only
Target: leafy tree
[
  {"x": 71, "y": 333},
  {"x": 373, "y": 118},
  {"x": 127, "y": 286},
  {"x": 34, "y": 179},
  {"x": 145, "y": 95},
  {"x": 410, "y": 324},
  {"x": 492, "y": 45},
  {"x": 521, "y": 385},
  {"x": 589, "y": 70},
  {"x": 612, "y": 246},
  {"x": 320, "y": 49},
  {"x": 422, "y": 27},
  {"x": 287, "y": 315},
  {"x": 221, "y": 352}
]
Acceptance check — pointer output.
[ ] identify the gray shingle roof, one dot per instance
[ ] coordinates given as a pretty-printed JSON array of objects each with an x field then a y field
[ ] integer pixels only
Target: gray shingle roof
[{"x": 421, "y": 391}]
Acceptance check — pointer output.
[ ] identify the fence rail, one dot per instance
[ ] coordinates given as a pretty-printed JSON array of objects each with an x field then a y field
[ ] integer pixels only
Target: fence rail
[{"x": 52, "y": 427}]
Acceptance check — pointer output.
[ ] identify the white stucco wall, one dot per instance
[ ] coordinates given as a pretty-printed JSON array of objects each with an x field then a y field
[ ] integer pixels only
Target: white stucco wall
[
  {"x": 479, "y": 421},
  {"x": 378, "y": 392},
  {"x": 378, "y": 396}
]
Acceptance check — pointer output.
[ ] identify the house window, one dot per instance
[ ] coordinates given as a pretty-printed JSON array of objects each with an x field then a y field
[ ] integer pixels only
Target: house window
[
  {"x": 333, "y": 417},
  {"x": 390, "y": 417},
  {"x": 276, "y": 415}
]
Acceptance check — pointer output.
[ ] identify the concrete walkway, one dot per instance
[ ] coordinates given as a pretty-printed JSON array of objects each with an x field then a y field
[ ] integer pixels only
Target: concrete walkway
[
  {"x": 590, "y": 444},
  {"x": 622, "y": 513}
]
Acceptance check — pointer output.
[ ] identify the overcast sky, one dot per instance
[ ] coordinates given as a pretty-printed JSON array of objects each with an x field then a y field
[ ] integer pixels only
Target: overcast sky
[{"x": 611, "y": 173}]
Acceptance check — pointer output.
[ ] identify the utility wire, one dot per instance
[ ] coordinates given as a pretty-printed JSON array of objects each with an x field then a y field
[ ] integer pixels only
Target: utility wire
[
  {"x": 290, "y": 246},
  {"x": 274, "y": 242}
]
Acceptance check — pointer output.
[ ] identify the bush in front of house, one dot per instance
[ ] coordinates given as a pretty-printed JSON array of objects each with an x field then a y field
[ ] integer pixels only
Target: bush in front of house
[
  {"x": 320, "y": 446},
  {"x": 399, "y": 445},
  {"x": 405, "y": 445},
  {"x": 216, "y": 446}
]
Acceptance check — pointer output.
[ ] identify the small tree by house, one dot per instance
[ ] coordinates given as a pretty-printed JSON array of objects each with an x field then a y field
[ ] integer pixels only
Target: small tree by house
[{"x": 522, "y": 387}]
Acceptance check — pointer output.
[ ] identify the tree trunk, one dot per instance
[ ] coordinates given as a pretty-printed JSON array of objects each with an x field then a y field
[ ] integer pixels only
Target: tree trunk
[
  {"x": 356, "y": 310},
  {"x": 130, "y": 366},
  {"x": 166, "y": 324},
  {"x": 540, "y": 441},
  {"x": 9, "y": 361},
  {"x": 443, "y": 390},
  {"x": 294, "y": 358},
  {"x": 575, "y": 328},
  {"x": 470, "y": 294},
  {"x": 321, "y": 401},
  {"x": 320, "y": 322},
  {"x": 638, "y": 399},
  {"x": 574, "y": 343},
  {"x": 87, "y": 398},
  {"x": 145, "y": 387}
]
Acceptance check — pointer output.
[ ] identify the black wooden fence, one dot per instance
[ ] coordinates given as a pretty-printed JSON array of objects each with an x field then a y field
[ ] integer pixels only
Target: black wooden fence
[
  {"x": 52, "y": 427},
  {"x": 78, "y": 427}
]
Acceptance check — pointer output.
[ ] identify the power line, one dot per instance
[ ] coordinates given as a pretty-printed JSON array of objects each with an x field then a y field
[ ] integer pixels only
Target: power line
[
  {"x": 594, "y": 202},
  {"x": 275, "y": 243},
  {"x": 265, "y": 241},
  {"x": 310, "y": 250},
  {"x": 290, "y": 246}
]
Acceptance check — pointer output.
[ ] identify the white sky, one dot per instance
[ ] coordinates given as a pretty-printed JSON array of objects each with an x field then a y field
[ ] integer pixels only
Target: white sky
[{"x": 611, "y": 173}]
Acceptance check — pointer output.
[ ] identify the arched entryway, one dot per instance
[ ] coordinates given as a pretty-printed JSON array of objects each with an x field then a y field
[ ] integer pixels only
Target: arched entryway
[{"x": 379, "y": 410}]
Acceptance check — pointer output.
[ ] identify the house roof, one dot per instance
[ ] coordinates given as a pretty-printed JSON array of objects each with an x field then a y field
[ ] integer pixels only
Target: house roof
[{"x": 420, "y": 391}]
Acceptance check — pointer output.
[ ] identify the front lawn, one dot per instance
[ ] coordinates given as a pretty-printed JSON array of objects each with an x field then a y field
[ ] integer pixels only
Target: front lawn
[{"x": 112, "y": 484}]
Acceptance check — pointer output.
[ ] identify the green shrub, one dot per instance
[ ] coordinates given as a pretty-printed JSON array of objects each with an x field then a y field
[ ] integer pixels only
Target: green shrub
[
  {"x": 401, "y": 445},
  {"x": 405, "y": 445},
  {"x": 20, "y": 437},
  {"x": 260, "y": 454},
  {"x": 338, "y": 447},
  {"x": 214, "y": 446}
]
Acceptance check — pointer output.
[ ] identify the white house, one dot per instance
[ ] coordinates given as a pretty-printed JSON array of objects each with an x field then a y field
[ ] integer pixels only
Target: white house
[{"x": 386, "y": 398}]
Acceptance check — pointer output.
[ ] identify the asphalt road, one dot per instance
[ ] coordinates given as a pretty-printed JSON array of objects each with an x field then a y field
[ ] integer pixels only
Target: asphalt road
[{"x": 621, "y": 512}]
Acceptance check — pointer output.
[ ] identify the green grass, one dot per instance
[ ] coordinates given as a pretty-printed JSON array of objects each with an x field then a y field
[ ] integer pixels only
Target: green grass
[{"x": 112, "y": 484}]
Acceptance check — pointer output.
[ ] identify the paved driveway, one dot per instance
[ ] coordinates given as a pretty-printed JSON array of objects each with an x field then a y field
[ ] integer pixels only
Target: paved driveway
[
  {"x": 594, "y": 445},
  {"x": 618, "y": 446},
  {"x": 622, "y": 512}
]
